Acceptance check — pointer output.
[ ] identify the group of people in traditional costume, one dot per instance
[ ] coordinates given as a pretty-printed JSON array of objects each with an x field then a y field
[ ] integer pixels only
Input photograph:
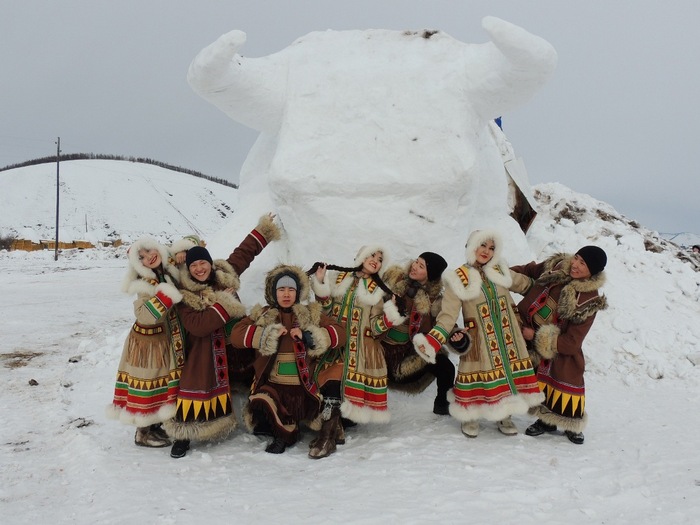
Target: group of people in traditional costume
[{"x": 326, "y": 364}]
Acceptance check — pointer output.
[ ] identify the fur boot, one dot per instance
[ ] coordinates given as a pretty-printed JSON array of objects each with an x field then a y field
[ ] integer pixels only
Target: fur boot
[{"x": 325, "y": 444}]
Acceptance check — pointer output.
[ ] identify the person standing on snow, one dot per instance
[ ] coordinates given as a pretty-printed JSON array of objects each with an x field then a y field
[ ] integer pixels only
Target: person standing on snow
[
  {"x": 495, "y": 377},
  {"x": 418, "y": 288},
  {"x": 149, "y": 369},
  {"x": 557, "y": 311},
  {"x": 353, "y": 379},
  {"x": 208, "y": 310},
  {"x": 287, "y": 335}
]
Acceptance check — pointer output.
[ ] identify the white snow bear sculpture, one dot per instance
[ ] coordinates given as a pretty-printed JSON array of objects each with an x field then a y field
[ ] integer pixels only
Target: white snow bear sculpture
[{"x": 360, "y": 125}]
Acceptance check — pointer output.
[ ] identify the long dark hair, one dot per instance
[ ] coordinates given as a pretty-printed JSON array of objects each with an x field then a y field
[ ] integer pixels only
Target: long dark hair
[{"x": 374, "y": 276}]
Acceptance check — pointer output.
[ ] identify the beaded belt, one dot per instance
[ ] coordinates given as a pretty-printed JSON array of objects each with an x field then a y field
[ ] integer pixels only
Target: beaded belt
[{"x": 147, "y": 330}]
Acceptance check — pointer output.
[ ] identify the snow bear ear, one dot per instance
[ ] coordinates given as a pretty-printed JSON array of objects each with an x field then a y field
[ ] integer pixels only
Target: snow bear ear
[
  {"x": 248, "y": 90},
  {"x": 526, "y": 63}
]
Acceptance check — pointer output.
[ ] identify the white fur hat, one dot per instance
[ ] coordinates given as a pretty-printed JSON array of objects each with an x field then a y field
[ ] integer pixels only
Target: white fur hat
[
  {"x": 368, "y": 250},
  {"x": 476, "y": 238}
]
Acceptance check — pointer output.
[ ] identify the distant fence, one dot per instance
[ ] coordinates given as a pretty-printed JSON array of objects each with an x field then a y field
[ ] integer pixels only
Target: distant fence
[{"x": 29, "y": 246}]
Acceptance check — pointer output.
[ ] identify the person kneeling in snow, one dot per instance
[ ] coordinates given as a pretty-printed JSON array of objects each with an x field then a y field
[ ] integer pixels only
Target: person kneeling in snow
[{"x": 287, "y": 335}]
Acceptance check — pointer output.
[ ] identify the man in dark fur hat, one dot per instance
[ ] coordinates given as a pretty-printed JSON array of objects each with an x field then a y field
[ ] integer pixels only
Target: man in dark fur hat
[{"x": 557, "y": 311}]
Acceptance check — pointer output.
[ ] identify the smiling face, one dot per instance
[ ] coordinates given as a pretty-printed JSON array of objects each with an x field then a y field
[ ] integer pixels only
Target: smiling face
[
  {"x": 373, "y": 263},
  {"x": 200, "y": 270},
  {"x": 419, "y": 271},
  {"x": 286, "y": 296},
  {"x": 484, "y": 252},
  {"x": 150, "y": 258},
  {"x": 579, "y": 268}
]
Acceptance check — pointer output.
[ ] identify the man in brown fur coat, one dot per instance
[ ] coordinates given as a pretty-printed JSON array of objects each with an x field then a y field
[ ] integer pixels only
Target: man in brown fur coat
[{"x": 557, "y": 311}]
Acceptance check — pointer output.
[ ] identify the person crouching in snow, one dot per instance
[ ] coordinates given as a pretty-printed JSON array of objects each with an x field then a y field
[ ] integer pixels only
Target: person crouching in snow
[
  {"x": 557, "y": 311},
  {"x": 418, "y": 289},
  {"x": 148, "y": 376},
  {"x": 208, "y": 310},
  {"x": 353, "y": 379},
  {"x": 286, "y": 335},
  {"x": 495, "y": 377}
]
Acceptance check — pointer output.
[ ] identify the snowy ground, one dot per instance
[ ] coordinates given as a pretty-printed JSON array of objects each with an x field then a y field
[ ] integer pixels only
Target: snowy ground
[{"x": 62, "y": 461}]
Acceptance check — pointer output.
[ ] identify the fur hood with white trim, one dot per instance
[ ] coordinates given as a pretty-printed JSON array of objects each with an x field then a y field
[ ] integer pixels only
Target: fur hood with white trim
[
  {"x": 136, "y": 280},
  {"x": 466, "y": 280}
]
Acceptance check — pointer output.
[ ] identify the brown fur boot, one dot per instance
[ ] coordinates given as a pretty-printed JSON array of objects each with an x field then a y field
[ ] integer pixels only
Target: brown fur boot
[{"x": 324, "y": 445}]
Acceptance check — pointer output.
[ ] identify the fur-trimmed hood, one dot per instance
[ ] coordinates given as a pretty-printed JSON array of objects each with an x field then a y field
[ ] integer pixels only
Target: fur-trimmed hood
[
  {"x": 286, "y": 269},
  {"x": 396, "y": 278},
  {"x": 474, "y": 241},
  {"x": 579, "y": 298},
  {"x": 335, "y": 284},
  {"x": 201, "y": 296},
  {"x": 367, "y": 250},
  {"x": 466, "y": 280},
  {"x": 138, "y": 275}
]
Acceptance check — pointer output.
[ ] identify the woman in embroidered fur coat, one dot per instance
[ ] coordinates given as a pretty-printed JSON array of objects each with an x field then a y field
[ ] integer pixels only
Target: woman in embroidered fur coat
[
  {"x": 209, "y": 308},
  {"x": 286, "y": 335},
  {"x": 557, "y": 311},
  {"x": 149, "y": 369},
  {"x": 357, "y": 373},
  {"x": 418, "y": 288},
  {"x": 495, "y": 378}
]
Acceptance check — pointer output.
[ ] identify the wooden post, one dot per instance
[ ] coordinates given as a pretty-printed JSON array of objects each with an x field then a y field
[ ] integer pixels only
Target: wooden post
[{"x": 58, "y": 160}]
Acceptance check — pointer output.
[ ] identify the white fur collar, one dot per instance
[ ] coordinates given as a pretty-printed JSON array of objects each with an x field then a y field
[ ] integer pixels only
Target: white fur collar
[
  {"x": 498, "y": 274},
  {"x": 364, "y": 296}
]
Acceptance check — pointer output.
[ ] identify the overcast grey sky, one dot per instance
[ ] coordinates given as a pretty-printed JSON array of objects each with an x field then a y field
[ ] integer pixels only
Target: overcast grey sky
[{"x": 619, "y": 120}]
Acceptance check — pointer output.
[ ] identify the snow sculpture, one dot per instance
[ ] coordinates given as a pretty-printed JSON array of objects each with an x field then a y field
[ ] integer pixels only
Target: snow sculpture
[{"x": 378, "y": 136}]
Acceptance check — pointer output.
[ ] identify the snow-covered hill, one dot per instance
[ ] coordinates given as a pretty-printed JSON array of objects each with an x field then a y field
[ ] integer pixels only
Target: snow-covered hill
[
  {"x": 64, "y": 323},
  {"x": 108, "y": 199},
  {"x": 683, "y": 239}
]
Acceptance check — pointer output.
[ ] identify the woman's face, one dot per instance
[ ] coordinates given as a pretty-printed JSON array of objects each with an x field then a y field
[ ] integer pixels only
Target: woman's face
[
  {"x": 419, "y": 271},
  {"x": 373, "y": 263},
  {"x": 150, "y": 258},
  {"x": 484, "y": 252},
  {"x": 286, "y": 296},
  {"x": 200, "y": 270},
  {"x": 579, "y": 268}
]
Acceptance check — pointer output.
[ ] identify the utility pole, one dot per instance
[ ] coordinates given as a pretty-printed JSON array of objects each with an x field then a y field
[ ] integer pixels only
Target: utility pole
[{"x": 58, "y": 161}]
